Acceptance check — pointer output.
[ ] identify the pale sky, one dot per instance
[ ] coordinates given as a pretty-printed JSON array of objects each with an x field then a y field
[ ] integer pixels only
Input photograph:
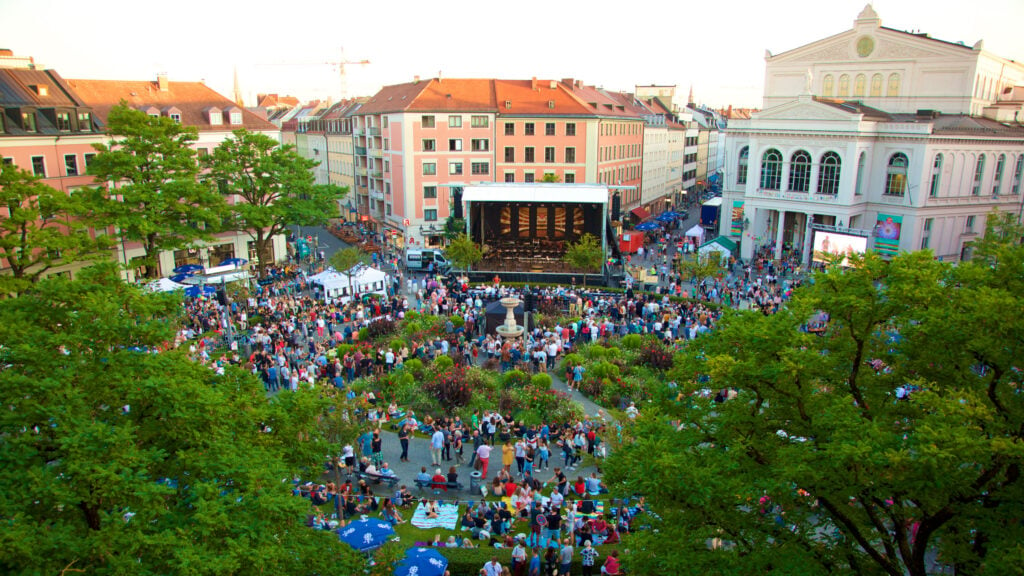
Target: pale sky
[{"x": 717, "y": 47}]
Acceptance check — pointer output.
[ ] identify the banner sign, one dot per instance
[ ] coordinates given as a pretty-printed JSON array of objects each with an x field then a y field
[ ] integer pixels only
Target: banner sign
[
  {"x": 887, "y": 234},
  {"x": 737, "y": 218}
]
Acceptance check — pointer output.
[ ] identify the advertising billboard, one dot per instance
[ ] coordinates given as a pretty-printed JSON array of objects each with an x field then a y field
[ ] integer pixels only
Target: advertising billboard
[
  {"x": 887, "y": 234},
  {"x": 834, "y": 243}
]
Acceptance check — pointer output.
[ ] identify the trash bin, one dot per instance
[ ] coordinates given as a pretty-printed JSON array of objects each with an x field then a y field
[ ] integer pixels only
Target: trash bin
[{"x": 474, "y": 481}]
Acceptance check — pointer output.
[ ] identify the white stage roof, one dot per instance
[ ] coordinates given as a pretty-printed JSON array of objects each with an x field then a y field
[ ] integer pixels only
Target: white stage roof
[{"x": 536, "y": 192}]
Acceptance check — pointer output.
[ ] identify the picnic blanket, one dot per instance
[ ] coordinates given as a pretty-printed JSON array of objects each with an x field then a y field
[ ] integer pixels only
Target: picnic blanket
[
  {"x": 598, "y": 510},
  {"x": 448, "y": 516}
]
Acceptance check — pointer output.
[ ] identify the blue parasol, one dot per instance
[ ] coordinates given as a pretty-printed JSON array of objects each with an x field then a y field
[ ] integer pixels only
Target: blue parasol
[
  {"x": 196, "y": 291},
  {"x": 188, "y": 269},
  {"x": 421, "y": 562},
  {"x": 365, "y": 535},
  {"x": 646, "y": 226},
  {"x": 234, "y": 262},
  {"x": 668, "y": 216}
]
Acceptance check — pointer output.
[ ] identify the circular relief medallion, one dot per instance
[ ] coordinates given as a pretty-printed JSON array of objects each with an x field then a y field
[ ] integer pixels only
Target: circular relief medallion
[{"x": 865, "y": 46}]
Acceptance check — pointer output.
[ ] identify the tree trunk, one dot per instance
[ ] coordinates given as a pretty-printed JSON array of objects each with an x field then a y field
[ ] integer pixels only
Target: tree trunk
[{"x": 264, "y": 247}]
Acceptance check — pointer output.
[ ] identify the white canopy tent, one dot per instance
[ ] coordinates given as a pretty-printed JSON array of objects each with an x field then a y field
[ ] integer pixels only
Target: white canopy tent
[
  {"x": 696, "y": 232},
  {"x": 164, "y": 285},
  {"x": 364, "y": 280}
]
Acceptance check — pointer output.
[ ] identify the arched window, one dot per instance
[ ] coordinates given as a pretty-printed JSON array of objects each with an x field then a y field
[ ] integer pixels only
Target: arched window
[
  {"x": 859, "y": 85},
  {"x": 997, "y": 181},
  {"x": 828, "y": 174},
  {"x": 876, "y": 86},
  {"x": 826, "y": 86},
  {"x": 771, "y": 170},
  {"x": 844, "y": 86},
  {"x": 1018, "y": 174},
  {"x": 861, "y": 163},
  {"x": 896, "y": 175},
  {"x": 800, "y": 172},
  {"x": 933, "y": 189},
  {"x": 894, "y": 85},
  {"x": 741, "y": 166},
  {"x": 979, "y": 172}
]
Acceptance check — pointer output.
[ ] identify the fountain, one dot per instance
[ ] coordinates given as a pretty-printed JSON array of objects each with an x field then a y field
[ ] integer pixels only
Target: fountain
[{"x": 510, "y": 330}]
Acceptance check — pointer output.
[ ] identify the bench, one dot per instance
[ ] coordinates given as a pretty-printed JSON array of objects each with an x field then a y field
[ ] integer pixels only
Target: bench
[
  {"x": 423, "y": 485},
  {"x": 391, "y": 481}
]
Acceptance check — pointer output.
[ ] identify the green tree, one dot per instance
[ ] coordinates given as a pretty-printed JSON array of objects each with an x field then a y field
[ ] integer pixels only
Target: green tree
[
  {"x": 39, "y": 230},
  {"x": 121, "y": 460},
  {"x": 453, "y": 227},
  {"x": 276, "y": 187},
  {"x": 585, "y": 254},
  {"x": 148, "y": 185},
  {"x": 345, "y": 260},
  {"x": 697, "y": 267},
  {"x": 463, "y": 252},
  {"x": 551, "y": 177},
  {"x": 817, "y": 466}
]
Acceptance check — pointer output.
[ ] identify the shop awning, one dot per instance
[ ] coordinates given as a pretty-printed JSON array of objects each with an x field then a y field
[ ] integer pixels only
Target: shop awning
[{"x": 640, "y": 212}]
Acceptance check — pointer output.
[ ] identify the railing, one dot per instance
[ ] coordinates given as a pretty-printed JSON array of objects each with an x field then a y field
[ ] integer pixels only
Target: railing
[
  {"x": 376, "y": 152},
  {"x": 360, "y": 150},
  {"x": 358, "y": 132},
  {"x": 374, "y": 131},
  {"x": 800, "y": 196},
  {"x": 360, "y": 170},
  {"x": 376, "y": 174}
]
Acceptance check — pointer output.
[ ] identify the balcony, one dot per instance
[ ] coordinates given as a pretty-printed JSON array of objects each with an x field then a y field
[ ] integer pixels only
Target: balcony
[
  {"x": 377, "y": 195},
  {"x": 374, "y": 131},
  {"x": 376, "y": 153},
  {"x": 360, "y": 170},
  {"x": 360, "y": 150},
  {"x": 797, "y": 196},
  {"x": 376, "y": 174},
  {"x": 358, "y": 132}
]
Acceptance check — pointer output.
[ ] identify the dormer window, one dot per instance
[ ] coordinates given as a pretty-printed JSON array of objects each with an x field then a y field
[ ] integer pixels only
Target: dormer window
[
  {"x": 152, "y": 111},
  {"x": 28, "y": 121},
  {"x": 173, "y": 113},
  {"x": 234, "y": 115},
  {"x": 63, "y": 121},
  {"x": 214, "y": 115},
  {"x": 40, "y": 89},
  {"x": 85, "y": 122}
]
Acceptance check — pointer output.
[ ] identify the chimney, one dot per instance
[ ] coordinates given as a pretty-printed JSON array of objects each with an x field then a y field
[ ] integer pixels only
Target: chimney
[
  {"x": 161, "y": 81},
  {"x": 533, "y": 83},
  {"x": 416, "y": 79},
  {"x": 568, "y": 82}
]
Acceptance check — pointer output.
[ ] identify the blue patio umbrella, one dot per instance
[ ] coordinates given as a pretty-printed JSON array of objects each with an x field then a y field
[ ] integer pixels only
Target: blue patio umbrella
[
  {"x": 646, "y": 226},
  {"x": 196, "y": 291},
  {"x": 234, "y": 262},
  {"x": 365, "y": 535},
  {"x": 188, "y": 269},
  {"x": 179, "y": 278},
  {"x": 668, "y": 216},
  {"x": 421, "y": 562}
]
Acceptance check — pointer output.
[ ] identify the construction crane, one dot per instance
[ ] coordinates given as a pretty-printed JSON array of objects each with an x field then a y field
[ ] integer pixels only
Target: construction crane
[{"x": 339, "y": 64}]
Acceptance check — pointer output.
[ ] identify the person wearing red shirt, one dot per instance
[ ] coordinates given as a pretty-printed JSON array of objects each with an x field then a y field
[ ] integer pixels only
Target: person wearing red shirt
[{"x": 611, "y": 564}]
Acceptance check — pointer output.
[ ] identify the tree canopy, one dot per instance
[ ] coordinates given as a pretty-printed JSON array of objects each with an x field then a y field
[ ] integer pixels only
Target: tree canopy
[
  {"x": 121, "y": 460},
  {"x": 148, "y": 185},
  {"x": 888, "y": 444},
  {"x": 275, "y": 188},
  {"x": 585, "y": 254},
  {"x": 40, "y": 229},
  {"x": 463, "y": 252}
]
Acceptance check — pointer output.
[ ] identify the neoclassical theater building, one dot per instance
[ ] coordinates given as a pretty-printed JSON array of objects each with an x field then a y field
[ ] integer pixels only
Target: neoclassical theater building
[{"x": 897, "y": 137}]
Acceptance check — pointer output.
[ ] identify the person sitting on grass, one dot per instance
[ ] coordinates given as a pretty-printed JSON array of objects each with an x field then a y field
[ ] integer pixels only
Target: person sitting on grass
[
  {"x": 390, "y": 513},
  {"x": 432, "y": 510}
]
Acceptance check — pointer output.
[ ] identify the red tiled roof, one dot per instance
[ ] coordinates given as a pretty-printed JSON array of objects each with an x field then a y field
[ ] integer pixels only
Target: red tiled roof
[
  {"x": 468, "y": 94},
  {"x": 536, "y": 97},
  {"x": 395, "y": 98},
  {"x": 189, "y": 97},
  {"x": 603, "y": 103}
]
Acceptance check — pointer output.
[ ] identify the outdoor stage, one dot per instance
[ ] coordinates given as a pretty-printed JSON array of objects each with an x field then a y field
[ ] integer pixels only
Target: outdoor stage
[{"x": 526, "y": 228}]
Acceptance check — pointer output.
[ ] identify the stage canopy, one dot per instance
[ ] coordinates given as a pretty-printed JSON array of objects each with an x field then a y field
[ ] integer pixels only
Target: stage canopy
[{"x": 535, "y": 192}]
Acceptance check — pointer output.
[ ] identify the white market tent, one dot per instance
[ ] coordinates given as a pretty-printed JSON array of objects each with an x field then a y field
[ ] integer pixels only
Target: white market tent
[
  {"x": 364, "y": 280},
  {"x": 164, "y": 285},
  {"x": 696, "y": 232}
]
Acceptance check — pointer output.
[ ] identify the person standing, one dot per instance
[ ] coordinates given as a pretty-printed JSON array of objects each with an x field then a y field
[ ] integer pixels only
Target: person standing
[
  {"x": 565, "y": 557},
  {"x": 483, "y": 453},
  {"x": 403, "y": 439},
  {"x": 376, "y": 448},
  {"x": 492, "y": 568},
  {"x": 535, "y": 563},
  {"x": 519, "y": 559},
  {"x": 588, "y": 556},
  {"x": 436, "y": 444}
]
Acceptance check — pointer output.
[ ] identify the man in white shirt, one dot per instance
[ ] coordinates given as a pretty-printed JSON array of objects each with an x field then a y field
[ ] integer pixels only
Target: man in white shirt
[
  {"x": 492, "y": 568},
  {"x": 436, "y": 444}
]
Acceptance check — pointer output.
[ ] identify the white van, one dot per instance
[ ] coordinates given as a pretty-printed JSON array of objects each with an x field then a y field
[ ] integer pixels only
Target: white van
[{"x": 420, "y": 260}]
